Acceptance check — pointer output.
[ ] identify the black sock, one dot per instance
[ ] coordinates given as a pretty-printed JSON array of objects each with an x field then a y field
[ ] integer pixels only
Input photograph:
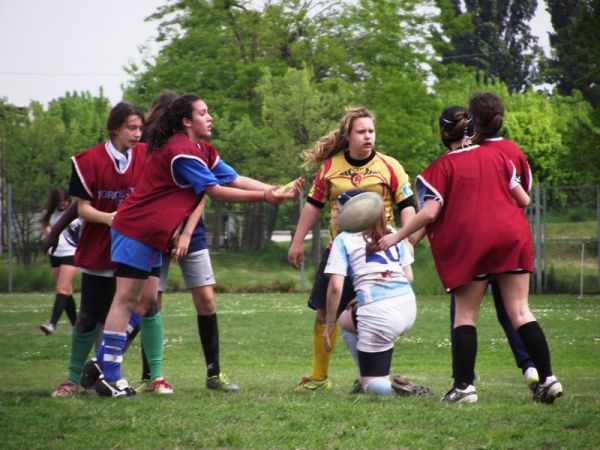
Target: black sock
[
  {"x": 145, "y": 366},
  {"x": 464, "y": 352},
  {"x": 71, "y": 310},
  {"x": 535, "y": 342},
  {"x": 59, "y": 306},
  {"x": 208, "y": 330}
]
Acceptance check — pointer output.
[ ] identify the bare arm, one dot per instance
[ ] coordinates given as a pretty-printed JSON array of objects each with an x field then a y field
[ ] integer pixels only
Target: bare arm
[
  {"x": 334, "y": 294},
  {"x": 249, "y": 184},
  {"x": 520, "y": 196},
  {"x": 51, "y": 236},
  {"x": 428, "y": 214},
  {"x": 87, "y": 212},
  {"x": 182, "y": 244},
  {"x": 308, "y": 217}
]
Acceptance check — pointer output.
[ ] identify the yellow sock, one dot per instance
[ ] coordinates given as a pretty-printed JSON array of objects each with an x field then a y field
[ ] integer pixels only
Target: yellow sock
[{"x": 321, "y": 357}]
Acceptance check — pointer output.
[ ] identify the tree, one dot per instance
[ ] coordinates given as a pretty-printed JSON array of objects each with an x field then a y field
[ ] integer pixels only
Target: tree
[
  {"x": 493, "y": 36},
  {"x": 576, "y": 48},
  {"x": 38, "y": 145}
]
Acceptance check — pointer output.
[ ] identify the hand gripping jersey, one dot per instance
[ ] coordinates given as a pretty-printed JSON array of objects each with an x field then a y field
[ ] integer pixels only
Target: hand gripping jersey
[
  {"x": 480, "y": 229},
  {"x": 107, "y": 187},
  {"x": 159, "y": 204},
  {"x": 516, "y": 155},
  {"x": 378, "y": 173},
  {"x": 375, "y": 277}
]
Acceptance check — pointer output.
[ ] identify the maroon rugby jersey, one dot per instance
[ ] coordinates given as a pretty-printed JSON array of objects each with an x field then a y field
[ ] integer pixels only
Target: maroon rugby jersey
[
  {"x": 516, "y": 155},
  {"x": 480, "y": 229},
  {"x": 159, "y": 204},
  {"x": 107, "y": 187}
]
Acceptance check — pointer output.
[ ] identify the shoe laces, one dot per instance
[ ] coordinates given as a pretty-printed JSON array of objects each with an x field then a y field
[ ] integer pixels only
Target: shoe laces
[
  {"x": 161, "y": 382},
  {"x": 304, "y": 381}
]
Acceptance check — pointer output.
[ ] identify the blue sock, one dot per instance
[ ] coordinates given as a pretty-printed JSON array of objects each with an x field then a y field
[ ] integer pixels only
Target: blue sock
[
  {"x": 380, "y": 386},
  {"x": 110, "y": 355},
  {"x": 134, "y": 322}
]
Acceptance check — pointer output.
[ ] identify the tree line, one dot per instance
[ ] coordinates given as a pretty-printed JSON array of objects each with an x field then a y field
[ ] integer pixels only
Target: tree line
[{"x": 278, "y": 75}]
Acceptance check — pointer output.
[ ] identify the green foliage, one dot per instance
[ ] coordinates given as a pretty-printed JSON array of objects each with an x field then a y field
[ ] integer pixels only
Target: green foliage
[
  {"x": 576, "y": 48},
  {"x": 497, "y": 41},
  {"x": 37, "y": 146},
  {"x": 266, "y": 348}
]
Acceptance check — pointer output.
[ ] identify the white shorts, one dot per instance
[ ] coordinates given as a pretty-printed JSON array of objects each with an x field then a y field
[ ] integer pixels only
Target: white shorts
[
  {"x": 196, "y": 269},
  {"x": 380, "y": 323}
]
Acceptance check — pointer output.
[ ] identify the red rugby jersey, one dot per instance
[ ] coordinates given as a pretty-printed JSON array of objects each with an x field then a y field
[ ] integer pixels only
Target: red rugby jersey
[
  {"x": 158, "y": 205},
  {"x": 107, "y": 187},
  {"x": 516, "y": 155},
  {"x": 480, "y": 229}
]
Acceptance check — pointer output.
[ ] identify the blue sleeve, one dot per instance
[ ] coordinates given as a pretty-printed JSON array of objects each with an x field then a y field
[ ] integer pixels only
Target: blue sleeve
[
  {"x": 190, "y": 171},
  {"x": 224, "y": 172}
]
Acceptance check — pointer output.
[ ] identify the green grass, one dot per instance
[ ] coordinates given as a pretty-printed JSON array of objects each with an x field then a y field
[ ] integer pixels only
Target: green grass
[{"x": 266, "y": 349}]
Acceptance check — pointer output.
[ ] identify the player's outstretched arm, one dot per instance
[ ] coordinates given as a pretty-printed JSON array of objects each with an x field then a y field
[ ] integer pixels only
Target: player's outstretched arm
[{"x": 428, "y": 214}]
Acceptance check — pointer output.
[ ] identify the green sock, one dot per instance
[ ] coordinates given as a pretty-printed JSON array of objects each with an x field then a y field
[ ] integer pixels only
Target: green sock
[
  {"x": 81, "y": 345},
  {"x": 152, "y": 339}
]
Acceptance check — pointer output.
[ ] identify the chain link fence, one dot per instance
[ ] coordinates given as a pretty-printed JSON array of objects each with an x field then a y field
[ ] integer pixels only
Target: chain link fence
[{"x": 565, "y": 224}]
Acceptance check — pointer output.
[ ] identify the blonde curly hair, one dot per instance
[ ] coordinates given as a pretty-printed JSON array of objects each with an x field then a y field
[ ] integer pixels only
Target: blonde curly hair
[{"x": 335, "y": 141}]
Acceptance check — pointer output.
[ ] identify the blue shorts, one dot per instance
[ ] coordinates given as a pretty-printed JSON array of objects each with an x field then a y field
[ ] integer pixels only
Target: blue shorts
[{"x": 124, "y": 250}]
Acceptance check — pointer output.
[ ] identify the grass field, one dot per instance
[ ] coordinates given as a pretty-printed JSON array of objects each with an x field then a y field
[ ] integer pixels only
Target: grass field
[{"x": 266, "y": 349}]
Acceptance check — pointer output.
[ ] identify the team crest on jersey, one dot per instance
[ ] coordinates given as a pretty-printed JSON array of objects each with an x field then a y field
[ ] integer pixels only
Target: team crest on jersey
[
  {"x": 406, "y": 190},
  {"x": 356, "y": 179},
  {"x": 357, "y": 176}
]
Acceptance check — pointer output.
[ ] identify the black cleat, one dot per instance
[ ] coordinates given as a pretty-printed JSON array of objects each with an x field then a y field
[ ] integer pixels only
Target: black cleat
[
  {"x": 118, "y": 388},
  {"x": 405, "y": 388},
  {"x": 90, "y": 373}
]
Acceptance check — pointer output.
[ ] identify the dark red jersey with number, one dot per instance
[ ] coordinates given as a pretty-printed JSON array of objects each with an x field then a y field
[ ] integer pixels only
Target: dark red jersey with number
[
  {"x": 159, "y": 204},
  {"x": 516, "y": 155},
  {"x": 479, "y": 229},
  {"x": 107, "y": 187}
]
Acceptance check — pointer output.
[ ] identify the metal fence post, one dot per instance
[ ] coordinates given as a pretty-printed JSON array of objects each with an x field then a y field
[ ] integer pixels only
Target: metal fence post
[
  {"x": 537, "y": 241},
  {"x": 582, "y": 261},
  {"x": 598, "y": 228},
  {"x": 9, "y": 235},
  {"x": 301, "y": 206}
]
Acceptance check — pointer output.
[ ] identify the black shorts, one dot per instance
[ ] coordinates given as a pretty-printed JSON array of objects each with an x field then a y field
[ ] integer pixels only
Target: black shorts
[
  {"x": 57, "y": 261},
  {"x": 126, "y": 271},
  {"x": 96, "y": 297},
  {"x": 318, "y": 295}
]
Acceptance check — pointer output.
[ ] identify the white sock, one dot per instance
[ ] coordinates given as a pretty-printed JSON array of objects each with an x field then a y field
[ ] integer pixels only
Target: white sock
[
  {"x": 351, "y": 339},
  {"x": 380, "y": 386}
]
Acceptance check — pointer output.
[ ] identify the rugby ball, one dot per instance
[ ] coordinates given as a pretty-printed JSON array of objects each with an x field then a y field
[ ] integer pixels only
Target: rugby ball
[
  {"x": 287, "y": 189},
  {"x": 360, "y": 212}
]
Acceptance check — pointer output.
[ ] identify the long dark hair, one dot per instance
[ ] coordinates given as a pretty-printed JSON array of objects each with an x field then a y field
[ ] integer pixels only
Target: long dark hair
[
  {"x": 157, "y": 109},
  {"x": 455, "y": 124},
  {"x": 171, "y": 121},
  {"x": 488, "y": 114},
  {"x": 55, "y": 198},
  {"x": 118, "y": 116}
]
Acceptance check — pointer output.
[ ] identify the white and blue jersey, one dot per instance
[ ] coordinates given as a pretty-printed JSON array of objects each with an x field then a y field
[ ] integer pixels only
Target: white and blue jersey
[{"x": 375, "y": 277}]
